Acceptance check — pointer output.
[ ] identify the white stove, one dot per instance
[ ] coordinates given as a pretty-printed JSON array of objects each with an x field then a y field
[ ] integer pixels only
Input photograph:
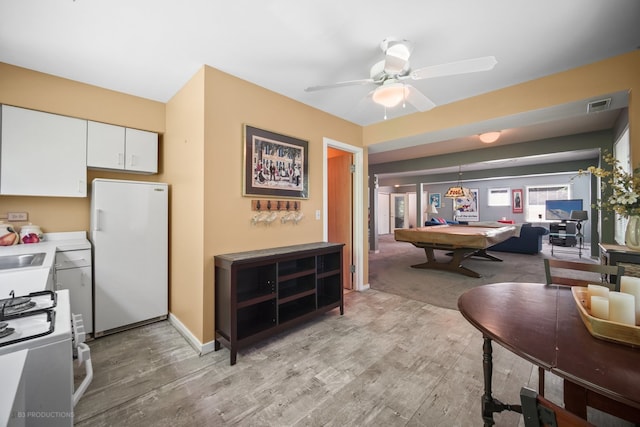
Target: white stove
[
  {"x": 28, "y": 317},
  {"x": 46, "y": 330}
]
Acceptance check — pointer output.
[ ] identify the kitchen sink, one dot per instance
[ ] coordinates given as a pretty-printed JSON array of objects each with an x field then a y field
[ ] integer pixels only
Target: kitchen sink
[{"x": 8, "y": 262}]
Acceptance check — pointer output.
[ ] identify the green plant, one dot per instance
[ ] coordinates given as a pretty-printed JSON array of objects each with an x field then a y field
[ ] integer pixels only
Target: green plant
[{"x": 623, "y": 187}]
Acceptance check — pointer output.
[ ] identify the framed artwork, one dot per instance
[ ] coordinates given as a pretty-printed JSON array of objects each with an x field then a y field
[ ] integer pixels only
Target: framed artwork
[
  {"x": 434, "y": 199},
  {"x": 467, "y": 208},
  {"x": 517, "y": 202},
  {"x": 275, "y": 164}
]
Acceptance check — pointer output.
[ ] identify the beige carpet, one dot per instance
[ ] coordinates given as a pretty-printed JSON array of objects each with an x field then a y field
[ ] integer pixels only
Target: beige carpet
[{"x": 390, "y": 271}]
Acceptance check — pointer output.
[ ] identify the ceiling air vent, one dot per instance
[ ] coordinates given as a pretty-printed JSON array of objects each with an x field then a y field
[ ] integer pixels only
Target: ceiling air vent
[{"x": 597, "y": 106}]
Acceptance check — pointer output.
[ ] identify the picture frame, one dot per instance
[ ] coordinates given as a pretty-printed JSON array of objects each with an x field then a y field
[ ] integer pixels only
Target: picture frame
[
  {"x": 517, "y": 201},
  {"x": 434, "y": 199},
  {"x": 467, "y": 208},
  {"x": 274, "y": 164}
]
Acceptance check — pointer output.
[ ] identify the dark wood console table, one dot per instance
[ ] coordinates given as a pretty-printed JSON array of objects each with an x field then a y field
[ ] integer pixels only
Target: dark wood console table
[
  {"x": 541, "y": 324},
  {"x": 260, "y": 293}
]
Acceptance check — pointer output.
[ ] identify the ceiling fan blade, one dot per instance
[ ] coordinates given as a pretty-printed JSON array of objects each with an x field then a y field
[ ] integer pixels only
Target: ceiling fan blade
[
  {"x": 340, "y": 84},
  {"x": 418, "y": 99},
  {"x": 394, "y": 65},
  {"x": 484, "y": 63}
]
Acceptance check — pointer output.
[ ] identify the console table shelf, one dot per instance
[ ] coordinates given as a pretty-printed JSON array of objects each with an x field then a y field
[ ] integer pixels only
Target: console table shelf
[
  {"x": 611, "y": 254},
  {"x": 260, "y": 293}
]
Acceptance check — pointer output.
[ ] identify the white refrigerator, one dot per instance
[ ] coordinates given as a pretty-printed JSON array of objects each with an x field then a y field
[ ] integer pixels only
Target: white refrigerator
[{"x": 129, "y": 232}]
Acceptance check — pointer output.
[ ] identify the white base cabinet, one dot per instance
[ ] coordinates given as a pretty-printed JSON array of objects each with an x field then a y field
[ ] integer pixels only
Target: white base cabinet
[
  {"x": 73, "y": 272},
  {"x": 119, "y": 148},
  {"x": 42, "y": 154}
]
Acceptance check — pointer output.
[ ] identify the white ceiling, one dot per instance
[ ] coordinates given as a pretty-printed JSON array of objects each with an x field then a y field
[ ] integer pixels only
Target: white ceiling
[{"x": 151, "y": 48}]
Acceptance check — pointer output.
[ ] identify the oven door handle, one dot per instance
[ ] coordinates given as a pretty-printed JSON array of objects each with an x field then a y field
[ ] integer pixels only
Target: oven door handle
[{"x": 84, "y": 356}]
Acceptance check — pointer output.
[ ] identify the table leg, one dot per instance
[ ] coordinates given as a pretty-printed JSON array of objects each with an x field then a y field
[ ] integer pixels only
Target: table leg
[
  {"x": 490, "y": 405},
  {"x": 455, "y": 264}
]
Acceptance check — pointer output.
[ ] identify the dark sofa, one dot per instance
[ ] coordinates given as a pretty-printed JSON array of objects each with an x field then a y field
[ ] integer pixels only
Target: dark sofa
[
  {"x": 529, "y": 242},
  {"x": 440, "y": 221}
]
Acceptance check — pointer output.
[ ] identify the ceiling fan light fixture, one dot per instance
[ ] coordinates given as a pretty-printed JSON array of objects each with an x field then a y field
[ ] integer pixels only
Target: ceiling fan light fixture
[
  {"x": 389, "y": 95},
  {"x": 489, "y": 137}
]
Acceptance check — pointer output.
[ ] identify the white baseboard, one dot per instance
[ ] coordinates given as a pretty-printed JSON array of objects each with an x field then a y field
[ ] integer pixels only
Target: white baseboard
[{"x": 191, "y": 339}]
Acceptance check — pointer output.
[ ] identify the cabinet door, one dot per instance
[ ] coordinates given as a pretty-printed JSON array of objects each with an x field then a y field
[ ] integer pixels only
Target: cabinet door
[
  {"x": 105, "y": 146},
  {"x": 42, "y": 154},
  {"x": 78, "y": 281},
  {"x": 141, "y": 151}
]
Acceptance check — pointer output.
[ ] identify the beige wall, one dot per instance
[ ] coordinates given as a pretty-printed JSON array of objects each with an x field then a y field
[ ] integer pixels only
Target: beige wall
[
  {"x": 209, "y": 214},
  {"x": 612, "y": 75},
  {"x": 29, "y": 89},
  {"x": 200, "y": 157},
  {"x": 184, "y": 166}
]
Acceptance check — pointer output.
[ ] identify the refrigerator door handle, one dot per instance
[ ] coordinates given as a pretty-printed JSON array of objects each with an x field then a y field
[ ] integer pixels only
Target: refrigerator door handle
[{"x": 96, "y": 223}]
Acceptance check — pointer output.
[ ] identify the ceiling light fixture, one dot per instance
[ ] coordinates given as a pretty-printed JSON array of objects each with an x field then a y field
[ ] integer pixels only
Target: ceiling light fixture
[
  {"x": 389, "y": 94},
  {"x": 458, "y": 190},
  {"x": 489, "y": 137}
]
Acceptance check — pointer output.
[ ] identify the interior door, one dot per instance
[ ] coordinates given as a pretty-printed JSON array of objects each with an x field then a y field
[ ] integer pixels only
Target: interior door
[
  {"x": 399, "y": 211},
  {"x": 383, "y": 214},
  {"x": 340, "y": 207}
]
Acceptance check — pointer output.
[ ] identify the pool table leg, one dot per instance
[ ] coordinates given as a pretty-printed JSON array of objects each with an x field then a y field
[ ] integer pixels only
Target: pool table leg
[{"x": 455, "y": 264}]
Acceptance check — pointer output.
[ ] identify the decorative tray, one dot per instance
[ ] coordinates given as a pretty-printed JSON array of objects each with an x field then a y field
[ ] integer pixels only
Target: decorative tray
[{"x": 604, "y": 329}]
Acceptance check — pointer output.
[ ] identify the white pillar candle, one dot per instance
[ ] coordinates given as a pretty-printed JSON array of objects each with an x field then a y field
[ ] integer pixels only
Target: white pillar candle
[
  {"x": 600, "y": 307},
  {"x": 592, "y": 290},
  {"x": 622, "y": 308},
  {"x": 631, "y": 285}
]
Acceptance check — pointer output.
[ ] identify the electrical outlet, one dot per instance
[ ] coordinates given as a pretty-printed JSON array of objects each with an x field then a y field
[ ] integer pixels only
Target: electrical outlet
[{"x": 17, "y": 216}]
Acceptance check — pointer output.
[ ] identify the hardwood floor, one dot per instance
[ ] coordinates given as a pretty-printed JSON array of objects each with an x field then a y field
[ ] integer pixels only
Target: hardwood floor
[{"x": 389, "y": 361}]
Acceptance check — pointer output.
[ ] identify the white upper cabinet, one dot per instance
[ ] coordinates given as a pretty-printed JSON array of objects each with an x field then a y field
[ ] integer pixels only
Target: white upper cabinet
[
  {"x": 42, "y": 154},
  {"x": 105, "y": 146},
  {"x": 116, "y": 147}
]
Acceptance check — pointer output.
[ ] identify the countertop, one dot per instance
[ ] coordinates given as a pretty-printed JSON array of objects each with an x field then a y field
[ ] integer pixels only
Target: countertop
[{"x": 30, "y": 279}]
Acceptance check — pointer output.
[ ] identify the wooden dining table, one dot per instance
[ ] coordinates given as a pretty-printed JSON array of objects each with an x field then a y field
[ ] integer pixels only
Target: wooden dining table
[{"x": 541, "y": 324}]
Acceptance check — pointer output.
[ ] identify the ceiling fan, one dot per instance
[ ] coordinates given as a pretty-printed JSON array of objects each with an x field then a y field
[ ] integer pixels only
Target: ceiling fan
[{"x": 391, "y": 73}]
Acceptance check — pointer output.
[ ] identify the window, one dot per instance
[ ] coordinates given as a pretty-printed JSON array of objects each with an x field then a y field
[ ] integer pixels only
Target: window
[
  {"x": 537, "y": 196},
  {"x": 499, "y": 197}
]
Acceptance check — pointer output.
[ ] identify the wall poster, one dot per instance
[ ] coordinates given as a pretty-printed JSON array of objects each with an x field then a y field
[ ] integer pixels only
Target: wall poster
[
  {"x": 517, "y": 202},
  {"x": 434, "y": 199},
  {"x": 466, "y": 207}
]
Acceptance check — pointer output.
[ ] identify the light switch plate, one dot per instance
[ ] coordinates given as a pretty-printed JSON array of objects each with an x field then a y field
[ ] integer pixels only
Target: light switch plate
[
  {"x": 318, "y": 214},
  {"x": 17, "y": 216}
]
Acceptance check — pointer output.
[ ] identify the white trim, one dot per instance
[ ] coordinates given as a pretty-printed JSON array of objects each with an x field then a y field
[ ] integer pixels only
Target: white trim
[
  {"x": 358, "y": 205},
  {"x": 191, "y": 339}
]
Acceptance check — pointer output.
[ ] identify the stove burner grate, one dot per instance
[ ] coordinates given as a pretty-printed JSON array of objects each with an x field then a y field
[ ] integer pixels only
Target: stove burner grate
[
  {"x": 16, "y": 305},
  {"x": 4, "y": 331}
]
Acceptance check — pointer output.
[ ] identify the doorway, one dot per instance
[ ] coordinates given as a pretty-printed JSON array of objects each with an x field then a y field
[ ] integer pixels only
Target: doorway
[
  {"x": 357, "y": 185},
  {"x": 384, "y": 214},
  {"x": 340, "y": 207},
  {"x": 399, "y": 211}
]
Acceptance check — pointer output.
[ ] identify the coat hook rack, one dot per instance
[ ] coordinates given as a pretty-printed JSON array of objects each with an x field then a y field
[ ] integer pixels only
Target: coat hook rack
[{"x": 275, "y": 205}]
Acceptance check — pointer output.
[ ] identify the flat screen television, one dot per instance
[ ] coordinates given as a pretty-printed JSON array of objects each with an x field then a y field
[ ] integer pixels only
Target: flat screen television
[{"x": 560, "y": 210}]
